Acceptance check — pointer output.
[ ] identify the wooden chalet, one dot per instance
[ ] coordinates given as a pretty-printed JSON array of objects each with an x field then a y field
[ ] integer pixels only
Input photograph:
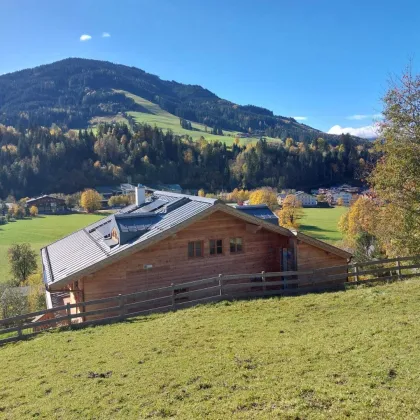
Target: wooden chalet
[
  {"x": 172, "y": 238},
  {"x": 48, "y": 204}
]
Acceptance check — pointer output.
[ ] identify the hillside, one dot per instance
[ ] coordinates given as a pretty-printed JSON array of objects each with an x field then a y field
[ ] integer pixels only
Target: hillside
[
  {"x": 348, "y": 354},
  {"x": 72, "y": 92}
]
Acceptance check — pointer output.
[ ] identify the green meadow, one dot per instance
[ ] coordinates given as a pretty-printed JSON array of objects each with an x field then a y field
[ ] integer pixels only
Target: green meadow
[
  {"x": 166, "y": 121},
  {"x": 322, "y": 223},
  {"x": 39, "y": 231},
  {"x": 350, "y": 354}
]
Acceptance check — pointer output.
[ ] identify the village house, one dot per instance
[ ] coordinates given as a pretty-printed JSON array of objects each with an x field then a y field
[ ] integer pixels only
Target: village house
[
  {"x": 48, "y": 204},
  {"x": 171, "y": 238},
  {"x": 333, "y": 197},
  {"x": 306, "y": 199}
]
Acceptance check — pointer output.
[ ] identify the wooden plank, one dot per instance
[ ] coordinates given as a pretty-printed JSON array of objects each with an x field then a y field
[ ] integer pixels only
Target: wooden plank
[
  {"x": 385, "y": 261},
  {"x": 9, "y": 330},
  {"x": 197, "y": 292},
  {"x": 381, "y": 279},
  {"x": 143, "y": 302}
]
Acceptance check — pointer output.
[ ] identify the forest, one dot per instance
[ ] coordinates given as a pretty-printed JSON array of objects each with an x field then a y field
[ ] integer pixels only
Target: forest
[{"x": 41, "y": 160}]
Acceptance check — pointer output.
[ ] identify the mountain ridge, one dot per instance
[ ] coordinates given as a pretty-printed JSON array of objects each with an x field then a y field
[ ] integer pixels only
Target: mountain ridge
[{"x": 70, "y": 92}]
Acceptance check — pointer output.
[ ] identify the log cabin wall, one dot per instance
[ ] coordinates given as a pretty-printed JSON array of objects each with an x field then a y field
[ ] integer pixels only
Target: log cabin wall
[
  {"x": 311, "y": 258},
  {"x": 171, "y": 264}
]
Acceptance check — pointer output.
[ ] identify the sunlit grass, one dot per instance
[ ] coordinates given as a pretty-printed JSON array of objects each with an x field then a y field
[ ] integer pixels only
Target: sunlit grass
[
  {"x": 39, "y": 232},
  {"x": 348, "y": 354}
]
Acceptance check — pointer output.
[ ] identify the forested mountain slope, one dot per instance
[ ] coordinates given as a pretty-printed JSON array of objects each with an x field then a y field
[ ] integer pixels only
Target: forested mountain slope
[{"x": 71, "y": 92}]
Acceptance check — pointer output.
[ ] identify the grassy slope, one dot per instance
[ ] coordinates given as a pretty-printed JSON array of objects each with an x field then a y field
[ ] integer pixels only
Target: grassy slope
[
  {"x": 166, "y": 121},
  {"x": 39, "y": 232},
  {"x": 322, "y": 223},
  {"x": 347, "y": 354}
]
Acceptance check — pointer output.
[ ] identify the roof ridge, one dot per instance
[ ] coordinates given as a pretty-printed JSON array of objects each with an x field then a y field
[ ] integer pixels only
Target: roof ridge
[
  {"x": 191, "y": 197},
  {"x": 93, "y": 240}
]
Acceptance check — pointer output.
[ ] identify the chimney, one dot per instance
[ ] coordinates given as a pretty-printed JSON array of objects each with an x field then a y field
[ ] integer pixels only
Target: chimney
[{"x": 140, "y": 194}]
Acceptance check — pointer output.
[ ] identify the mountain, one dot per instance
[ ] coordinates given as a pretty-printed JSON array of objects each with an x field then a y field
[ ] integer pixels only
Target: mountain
[{"x": 74, "y": 93}]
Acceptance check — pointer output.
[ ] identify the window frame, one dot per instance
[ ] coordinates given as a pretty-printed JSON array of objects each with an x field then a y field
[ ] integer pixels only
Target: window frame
[
  {"x": 236, "y": 251},
  {"x": 201, "y": 242},
  {"x": 216, "y": 247}
]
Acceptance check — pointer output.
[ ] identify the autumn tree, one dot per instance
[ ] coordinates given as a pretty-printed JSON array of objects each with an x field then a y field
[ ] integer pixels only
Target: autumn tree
[
  {"x": 396, "y": 177},
  {"x": 358, "y": 226},
  {"x": 119, "y": 200},
  {"x": 22, "y": 260},
  {"x": 201, "y": 193},
  {"x": 90, "y": 200},
  {"x": 264, "y": 196},
  {"x": 340, "y": 201},
  {"x": 291, "y": 212},
  {"x": 33, "y": 211}
]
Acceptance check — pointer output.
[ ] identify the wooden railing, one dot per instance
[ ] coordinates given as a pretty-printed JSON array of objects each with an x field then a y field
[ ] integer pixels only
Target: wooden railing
[{"x": 222, "y": 287}]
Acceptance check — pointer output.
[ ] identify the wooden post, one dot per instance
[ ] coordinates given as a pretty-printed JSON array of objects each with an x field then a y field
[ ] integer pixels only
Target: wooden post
[
  {"x": 399, "y": 269},
  {"x": 263, "y": 281},
  {"x": 221, "y": 284},
  {"x": 68, "y": 312},
  {"x": 356, "y": 269},
  {"x": 173, "y": 295},
  {"x": 19, "y": 331}
]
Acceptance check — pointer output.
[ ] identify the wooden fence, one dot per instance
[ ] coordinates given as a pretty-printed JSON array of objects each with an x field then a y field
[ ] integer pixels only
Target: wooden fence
[{"x": 222, "y": 287}]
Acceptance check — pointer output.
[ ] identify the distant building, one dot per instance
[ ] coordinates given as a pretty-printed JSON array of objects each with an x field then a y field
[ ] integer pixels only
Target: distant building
[
  {"x": 306, "y": 199},
  {"x": 48, "y": 204},
  {"x": 333, "y": 198}
]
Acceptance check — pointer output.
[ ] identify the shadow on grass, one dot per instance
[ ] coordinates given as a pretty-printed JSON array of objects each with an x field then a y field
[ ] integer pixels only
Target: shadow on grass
[{"x": 314, "y": 228}]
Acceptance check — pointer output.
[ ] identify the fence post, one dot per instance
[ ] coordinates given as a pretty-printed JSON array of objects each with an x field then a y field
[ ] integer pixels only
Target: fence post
[
  {"x": 356, "y": 269},
  {"x": 221, "y": 284},
  {"x": 19, "y": 331},
  {"x": 399, "y": 269},
  {"x": 263, "y": 281},
  {"x": 173, "y": 295},
  {"x": 68, "y": 312},
  {"x": 122, "y": 305}
]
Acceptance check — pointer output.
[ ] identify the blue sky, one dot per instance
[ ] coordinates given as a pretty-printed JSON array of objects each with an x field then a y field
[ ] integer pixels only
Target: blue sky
[{"x": 326, "y": 61}]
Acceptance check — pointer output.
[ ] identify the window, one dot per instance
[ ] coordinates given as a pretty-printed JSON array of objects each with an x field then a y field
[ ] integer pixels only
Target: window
[
  {"x": 216, "y": 246},
  {"x": 195, "y": 249},
  {"x": 235, "y": 245}
]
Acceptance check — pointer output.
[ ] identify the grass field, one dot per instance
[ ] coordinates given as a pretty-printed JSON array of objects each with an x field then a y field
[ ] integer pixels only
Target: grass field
[
  {"x": 322, "y": 223},
  {"x": 167, "y": 121},
  {"x": 39, "y": 232},
  {"x": 352, "y": 354}
]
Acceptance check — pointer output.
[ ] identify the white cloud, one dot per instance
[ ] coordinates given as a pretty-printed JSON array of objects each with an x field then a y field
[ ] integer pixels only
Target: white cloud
[
  {"x": 367, "y": 132},
  {"x": 359, "y": 117},
  {"x": 300, "y": 118},
  {"x": 85, "y": 37},
  {"x": 106, "y": 35}
]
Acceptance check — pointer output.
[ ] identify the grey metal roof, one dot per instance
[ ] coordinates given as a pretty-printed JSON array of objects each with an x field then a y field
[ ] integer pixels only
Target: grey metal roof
[
  {"x": 90, "y": 245},
  {"x": 261, "y": 211},
  {"x": 43, "y": 196}
]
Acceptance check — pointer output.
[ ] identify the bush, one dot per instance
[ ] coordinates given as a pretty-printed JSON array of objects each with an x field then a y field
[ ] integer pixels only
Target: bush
[
  {"x": 33, "y": 211},
  {"x": 3, "y": 220},
  {"x": 13, "y": 303}
]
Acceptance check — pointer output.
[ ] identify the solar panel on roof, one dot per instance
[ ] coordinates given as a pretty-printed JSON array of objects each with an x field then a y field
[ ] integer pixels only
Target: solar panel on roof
[{"x": 153, "y": 205}]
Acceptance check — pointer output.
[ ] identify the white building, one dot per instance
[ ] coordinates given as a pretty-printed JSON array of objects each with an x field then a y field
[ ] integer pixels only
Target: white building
[
  {"x": 345, "y": 196},
  {"x": 306, "y": 199}
]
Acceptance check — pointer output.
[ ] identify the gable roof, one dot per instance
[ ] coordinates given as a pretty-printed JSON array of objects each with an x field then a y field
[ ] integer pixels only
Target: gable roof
[
  {"x": 261, "y": 211},
  {"x": 44, "y": 196},
  {"x": 165, "y": 213}
]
